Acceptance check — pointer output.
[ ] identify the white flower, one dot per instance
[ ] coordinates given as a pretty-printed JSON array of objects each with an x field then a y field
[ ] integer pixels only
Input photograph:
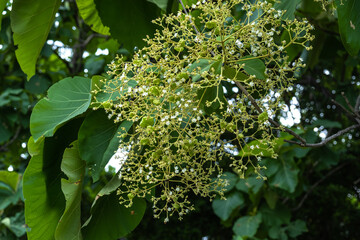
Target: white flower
[{"x": 239, "y": 44}]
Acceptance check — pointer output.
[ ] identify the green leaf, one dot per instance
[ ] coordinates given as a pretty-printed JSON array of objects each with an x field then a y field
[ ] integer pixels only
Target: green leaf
[
  {"x": 232, "y": 74},
  {"x": 2, "y": 7},
  {"x": 297, "y": 228},
  {"x": 349, "y": 24},
  {"x": 44, "y": 200},
  {"x": 232, "y": 179},
  {"x": 95, "y": 64},
  {"x": 247, "y": 226},
  {"x": 287, "y": 175},
  {"x": 10, "y": 178},
  {"x": 99, "y": 140},
  {"x": 66, "y": 99},
  {"x": 69, "y": 226},
  {"x": 129, "y": 21},
  {"x": 160, "y": 3},
  {"x": 10, "y": 188},
  {"x": 275, "y": 217},
  {"x": 255, "y": 148},
  {"x": 289, "y": 6},
  {"x": 202, "y": 65},
  {"x": 271, "y": 198},
  {"x": 5, "y": 133},
  {"x": 109, "y": 220},
  {"x": 224, "y": 208},
  {"x": 16, "y": 224},
  {"x": 250, "y": 184},
  {"x": 88, "y": 12},
  {"x": 37, "y": 84},
  {"x": 326, "y": 123},
  {"x": 31, "y": 22},
  {"x": 254, "y": 66}
]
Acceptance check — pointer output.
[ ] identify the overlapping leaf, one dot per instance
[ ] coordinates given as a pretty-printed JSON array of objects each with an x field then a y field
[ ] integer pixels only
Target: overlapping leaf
[
  {"x": 69, "y": 226},
  {"x": 129, "y": 21},
  {"x": 99, "y": 140},
  {"x": 66, "y": 99},
  {"x": 44, "y": 200},
  {"x": 88, "y": 12}
]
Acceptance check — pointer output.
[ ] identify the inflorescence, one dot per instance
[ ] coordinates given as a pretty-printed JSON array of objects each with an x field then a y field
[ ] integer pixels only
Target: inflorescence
[{"x": 184, "y": 123}]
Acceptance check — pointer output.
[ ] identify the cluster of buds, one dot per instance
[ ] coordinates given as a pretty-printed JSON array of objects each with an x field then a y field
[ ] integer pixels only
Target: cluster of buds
[{"x": 190, "y": 94}]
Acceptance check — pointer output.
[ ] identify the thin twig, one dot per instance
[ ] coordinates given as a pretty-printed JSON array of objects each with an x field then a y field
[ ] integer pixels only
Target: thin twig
[
  {"x": 254, "y": 103},
  {"x": 16, "y": 135},
  {"x": 326, "y": 140},
  {"x": 342, "y": 107},
  {"x": 318, "y": 183},
  {"x": 357, "y": 105},
  {"x": 347, "y": 102},
  {"x": 67, "y": 64},
  {"x": 187, "y": 13}
]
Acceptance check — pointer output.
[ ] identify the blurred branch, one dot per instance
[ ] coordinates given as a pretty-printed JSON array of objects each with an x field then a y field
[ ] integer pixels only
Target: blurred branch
[
  {"x": 317, "y": 184},
  {"x": 16, "y": 135},
  {"x": 357, "y": 105},
  {"x": 254, "y": 103},
  {"x": 326, "y": 140}
]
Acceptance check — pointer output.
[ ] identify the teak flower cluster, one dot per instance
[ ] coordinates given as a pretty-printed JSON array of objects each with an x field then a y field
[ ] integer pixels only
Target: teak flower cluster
[{"x": 194, "y": 95}]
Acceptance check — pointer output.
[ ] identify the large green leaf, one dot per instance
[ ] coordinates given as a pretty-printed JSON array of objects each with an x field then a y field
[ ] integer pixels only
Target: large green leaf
[
  {"x": 99, "y": 140},
  {"x": 44, "y": 200},
  {"x": 129, "y": 21},
  {"x": 247, "y": 226},
  {"x": 254, "y": 66},
  {"x": 286, "y": 176},
  {"x": 109, "y": 220},
  {"x": 31, "y": 22},
  {"x": 349, "y": 24},
  {"x": 224, "y": 208},
  {"x": 69, "y": 226},
  {"x": 288, "y": 6},
  {"x": 88, "y": 12},
  {"x": 66, "y": 99}
]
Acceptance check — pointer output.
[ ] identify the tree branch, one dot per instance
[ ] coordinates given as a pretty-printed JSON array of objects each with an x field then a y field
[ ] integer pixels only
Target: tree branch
[
  {"x": 16, "y": 135},
  {"x": 254, "y": 103},
  {"x": 317, "y": 184},
  {"x": 326, "y": 140}
]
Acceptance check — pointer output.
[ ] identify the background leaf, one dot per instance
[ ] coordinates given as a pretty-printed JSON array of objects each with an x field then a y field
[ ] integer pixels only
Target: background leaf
[
  {"x": 287, "y": 175},
  {"x": 66, "y": 99},
  {"x": 247, "y": 226},
  {"x": 160, "y": 3},
  {"x": 129, "y": 21},
  {"x": 254, "y": 67},
  {"x": 31, "y": 22},
  {"x": 224, "y": 208},
  {"x": 88, "y": 12},
  {"x": 108, "y": 211},
  {"x": 349, "y": 24},
  {"x": 99, "y": 140},
  {"x": 2, "y": 7},
  {"x": 289, "y": 6}
]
